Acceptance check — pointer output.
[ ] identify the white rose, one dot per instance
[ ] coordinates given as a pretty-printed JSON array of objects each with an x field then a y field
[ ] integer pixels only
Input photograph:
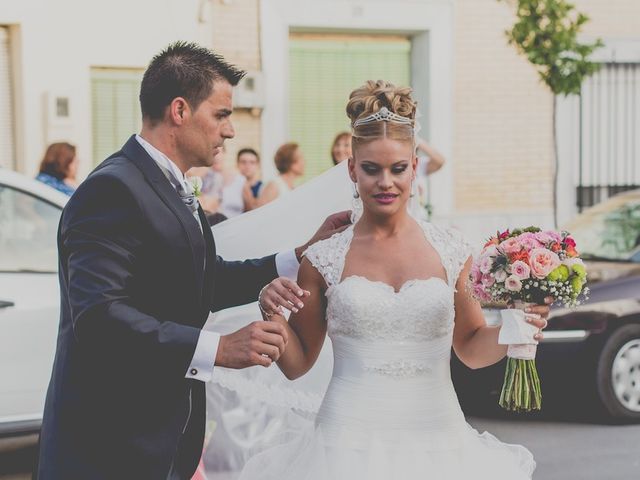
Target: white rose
[
  {"x": 500, "y": 276},
  {"x": 513, "y": 284}
]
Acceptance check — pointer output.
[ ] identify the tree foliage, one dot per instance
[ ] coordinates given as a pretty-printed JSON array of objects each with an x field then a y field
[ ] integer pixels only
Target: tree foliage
[{"x": 546, "y": 32}]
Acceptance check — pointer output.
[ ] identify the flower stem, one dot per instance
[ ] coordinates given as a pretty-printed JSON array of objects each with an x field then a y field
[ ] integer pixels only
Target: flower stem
[{"x": 521, "y": 388}]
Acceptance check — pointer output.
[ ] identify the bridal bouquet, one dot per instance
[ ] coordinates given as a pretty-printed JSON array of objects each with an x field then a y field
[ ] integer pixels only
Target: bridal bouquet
[{"x": 522, "y": 267}]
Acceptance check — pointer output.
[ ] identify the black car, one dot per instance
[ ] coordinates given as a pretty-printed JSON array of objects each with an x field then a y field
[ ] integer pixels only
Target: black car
[{"x": 589, "y": 361}]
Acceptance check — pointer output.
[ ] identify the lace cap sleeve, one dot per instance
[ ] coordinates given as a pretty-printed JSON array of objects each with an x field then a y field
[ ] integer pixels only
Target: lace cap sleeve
[
  {"x": 327, "y": 256},
  {"x": 452, "y": 247},
  {"x": 464, "y": 250}
]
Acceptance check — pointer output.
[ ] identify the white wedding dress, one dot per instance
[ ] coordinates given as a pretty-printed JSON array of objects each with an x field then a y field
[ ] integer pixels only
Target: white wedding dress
[{"x": 390, "y": 410}]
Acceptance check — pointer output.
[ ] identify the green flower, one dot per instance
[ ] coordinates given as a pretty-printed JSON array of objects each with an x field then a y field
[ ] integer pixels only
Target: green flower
[
  {"x": 576, "y": 285},
  {"x": 579, "y": 270},
  {"x": 560, "y": 274}
]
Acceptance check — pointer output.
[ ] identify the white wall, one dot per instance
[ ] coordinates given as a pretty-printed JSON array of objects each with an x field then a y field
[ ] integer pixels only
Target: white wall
[
  {"x": 429, "y": 22},
  {"x": 57, "y": 42}
]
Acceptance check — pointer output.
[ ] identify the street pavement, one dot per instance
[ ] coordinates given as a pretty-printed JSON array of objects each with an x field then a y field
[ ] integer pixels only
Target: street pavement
[
  {"x": 563, "y": 450},
  {"x": 572, "y": 451}
]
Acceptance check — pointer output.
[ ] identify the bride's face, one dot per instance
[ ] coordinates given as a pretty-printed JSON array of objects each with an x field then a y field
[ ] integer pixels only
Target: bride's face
[{"x": 383, "y": 171}]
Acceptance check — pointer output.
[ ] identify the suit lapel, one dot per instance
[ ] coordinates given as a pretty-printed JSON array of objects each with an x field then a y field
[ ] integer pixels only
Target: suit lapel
[
  {"x": 207, "y": 294},
  {"x": 163, "y": 188}
]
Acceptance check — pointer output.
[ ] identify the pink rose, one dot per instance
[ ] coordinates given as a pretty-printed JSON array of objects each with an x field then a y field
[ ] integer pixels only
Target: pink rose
[
  {"x": 487, "y": 281},
  {"x": 476, "y": 274},
  {"x": 529, "y": 241},
  {"x": 511, "y": 245},
  {"x": 548, "y": 237},
  {"x": 520, "y": 270},
  {"x": 543, "y": 262},
  {"x": 481, "y": 294},
  {"x": 486, "y": 263},
  {"x": 513, "y": 284}
]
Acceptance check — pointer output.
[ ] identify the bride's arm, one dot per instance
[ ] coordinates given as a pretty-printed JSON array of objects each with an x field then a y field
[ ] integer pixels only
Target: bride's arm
[
  {"x": 307, "y": 328},
  {"x": 474, "y": 342}
]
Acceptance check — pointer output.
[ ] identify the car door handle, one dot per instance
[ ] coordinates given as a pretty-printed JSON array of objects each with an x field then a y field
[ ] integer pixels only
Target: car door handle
[{"x": 5, "y": 304}]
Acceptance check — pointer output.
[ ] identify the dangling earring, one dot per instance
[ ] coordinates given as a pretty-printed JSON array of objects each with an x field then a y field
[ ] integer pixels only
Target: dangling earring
[
  {"x": 413, "y": 190},
  {"x": 356, "y": 204}
]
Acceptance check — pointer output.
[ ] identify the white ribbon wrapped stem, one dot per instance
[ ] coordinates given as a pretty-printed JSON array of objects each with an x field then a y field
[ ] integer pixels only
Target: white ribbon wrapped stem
[{"x": 518, "y": 334}]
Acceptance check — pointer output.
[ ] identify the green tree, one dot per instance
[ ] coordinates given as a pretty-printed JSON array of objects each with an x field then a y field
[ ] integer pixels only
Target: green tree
[{"x": 546, "y": 32}]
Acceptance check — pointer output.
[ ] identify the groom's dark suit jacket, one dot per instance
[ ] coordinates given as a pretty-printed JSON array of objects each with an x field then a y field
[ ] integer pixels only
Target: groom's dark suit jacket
[{"x": 134, "y": 294}]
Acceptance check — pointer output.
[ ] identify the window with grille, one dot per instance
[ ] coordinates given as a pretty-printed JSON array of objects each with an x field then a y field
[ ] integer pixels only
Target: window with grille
[
  {"x": 323, "y": 70},
  {"x": 609, "y": 155},
  {"x": 7, "y": 145},
  {"x": 115, "y": 109}
]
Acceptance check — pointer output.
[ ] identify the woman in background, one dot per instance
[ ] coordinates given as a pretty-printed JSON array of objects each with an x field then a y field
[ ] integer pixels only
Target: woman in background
[
  {"x": 59, "y": 167},
  {"x": 341, "y": 147},
  {"x": 290, "y": 163},
  {"x": 248, "y": 162}
]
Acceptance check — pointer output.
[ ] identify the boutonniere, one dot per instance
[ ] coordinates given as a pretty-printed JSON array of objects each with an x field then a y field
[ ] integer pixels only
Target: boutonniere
[{"x": 196, "y": 185}]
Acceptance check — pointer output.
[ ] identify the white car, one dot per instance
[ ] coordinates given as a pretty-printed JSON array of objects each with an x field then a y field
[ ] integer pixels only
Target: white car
[{"x": 29, "y": 298}]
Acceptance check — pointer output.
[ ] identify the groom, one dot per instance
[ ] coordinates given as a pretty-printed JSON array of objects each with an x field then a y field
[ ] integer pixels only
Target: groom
[{"x": 138, "y": 278}]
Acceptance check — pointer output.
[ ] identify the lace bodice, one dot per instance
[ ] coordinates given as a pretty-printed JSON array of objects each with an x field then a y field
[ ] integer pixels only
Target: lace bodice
[
  {"x": 363, "y": 309},
  {"x": 371, "y": 310}
]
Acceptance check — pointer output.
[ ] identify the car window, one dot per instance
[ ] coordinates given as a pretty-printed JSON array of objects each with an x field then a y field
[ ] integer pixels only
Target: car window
[
  {"x": 28, "y": 227},
  {"x": 609, "y": 231}
]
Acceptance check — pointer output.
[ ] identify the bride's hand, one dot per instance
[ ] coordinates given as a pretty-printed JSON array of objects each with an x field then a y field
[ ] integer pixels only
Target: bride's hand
[
  {"x": 538, "y": 315},
  {"x": 279, "y": 294}
]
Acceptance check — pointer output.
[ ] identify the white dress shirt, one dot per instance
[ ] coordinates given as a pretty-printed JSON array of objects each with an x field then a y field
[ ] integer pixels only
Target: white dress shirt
[{"x": 203, "y": 361}]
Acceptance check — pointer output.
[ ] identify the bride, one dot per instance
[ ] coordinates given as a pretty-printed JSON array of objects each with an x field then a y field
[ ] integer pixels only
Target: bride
[{"x": 390, "y": 293}]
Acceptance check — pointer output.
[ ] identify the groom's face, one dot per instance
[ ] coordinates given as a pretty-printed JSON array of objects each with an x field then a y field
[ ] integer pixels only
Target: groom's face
[{"x": 205, "y": 129}]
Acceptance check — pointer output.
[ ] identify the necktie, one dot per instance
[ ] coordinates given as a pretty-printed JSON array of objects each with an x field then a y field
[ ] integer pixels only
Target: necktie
[
  {"x": 187, "y": 196},
  {"x": 185, "y": 192}
]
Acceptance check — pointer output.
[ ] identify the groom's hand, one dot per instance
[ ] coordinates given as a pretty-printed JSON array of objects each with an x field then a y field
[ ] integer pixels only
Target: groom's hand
[
  {"x": 332, "y": 224},
  {"x": 259, "y": 343}
]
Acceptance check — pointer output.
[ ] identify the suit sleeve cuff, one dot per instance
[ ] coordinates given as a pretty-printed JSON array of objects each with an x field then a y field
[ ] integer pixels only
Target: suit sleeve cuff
[
  {"x": 204, "y": 357},
  {"x": 287, "y": 265}
]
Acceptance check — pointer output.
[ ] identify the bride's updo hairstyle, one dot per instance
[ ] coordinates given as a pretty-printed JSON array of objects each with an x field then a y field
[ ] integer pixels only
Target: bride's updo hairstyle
[{"x": 369, "y": 99}]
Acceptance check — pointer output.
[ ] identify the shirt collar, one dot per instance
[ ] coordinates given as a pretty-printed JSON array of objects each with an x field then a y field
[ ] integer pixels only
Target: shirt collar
[{"x": 164, "y": 161}]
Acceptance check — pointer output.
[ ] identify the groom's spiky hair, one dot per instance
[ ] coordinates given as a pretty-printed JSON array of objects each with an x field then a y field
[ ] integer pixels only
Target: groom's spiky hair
[{"x": 185, "y": 70}]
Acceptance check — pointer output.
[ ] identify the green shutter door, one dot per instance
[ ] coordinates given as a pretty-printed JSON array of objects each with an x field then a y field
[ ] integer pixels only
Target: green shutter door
[
  {"x": 115, "y": 109},
  {"x": 321, "y": 76},
  {"x": 7, "y": 117}
]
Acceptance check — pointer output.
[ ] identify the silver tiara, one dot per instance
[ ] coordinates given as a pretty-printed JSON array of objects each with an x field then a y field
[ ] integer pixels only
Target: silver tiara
[{"x": 383, "y": 115}]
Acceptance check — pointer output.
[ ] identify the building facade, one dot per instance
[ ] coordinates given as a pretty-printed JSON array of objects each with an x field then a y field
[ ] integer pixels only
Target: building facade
[{"x": 70, "y": 70}]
